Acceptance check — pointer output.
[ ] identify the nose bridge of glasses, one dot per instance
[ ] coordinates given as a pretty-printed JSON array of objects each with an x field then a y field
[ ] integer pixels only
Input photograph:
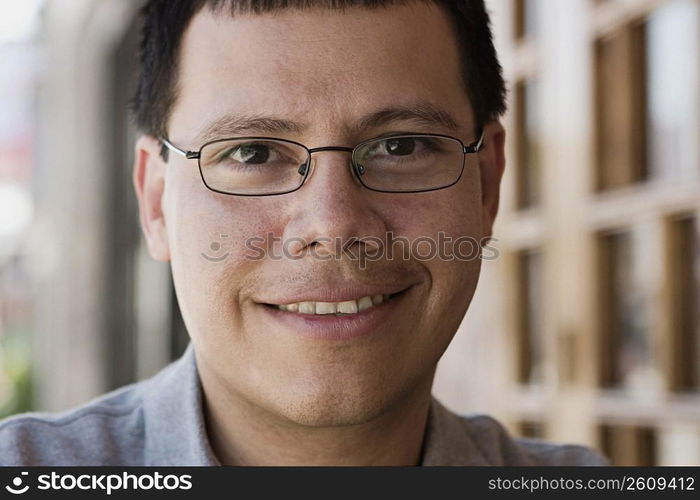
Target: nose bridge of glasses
[
  {"x": 345, "y": 149},
  {"x": 331, "y": 148}
]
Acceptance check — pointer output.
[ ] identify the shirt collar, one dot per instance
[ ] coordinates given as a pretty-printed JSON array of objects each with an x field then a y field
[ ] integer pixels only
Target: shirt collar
[
  {"x": 175, "y": 431},
  {"x": 448, "y": 440}
]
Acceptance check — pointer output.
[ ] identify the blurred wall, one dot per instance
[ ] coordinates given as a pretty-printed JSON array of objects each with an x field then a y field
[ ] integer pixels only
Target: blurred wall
[
  {"x": 104, "y": 313},
  {"x": 586, "y": 328}
]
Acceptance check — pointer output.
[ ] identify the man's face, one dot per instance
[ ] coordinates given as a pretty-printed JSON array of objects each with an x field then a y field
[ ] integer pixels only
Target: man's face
[{"x": 326, "y": 71}]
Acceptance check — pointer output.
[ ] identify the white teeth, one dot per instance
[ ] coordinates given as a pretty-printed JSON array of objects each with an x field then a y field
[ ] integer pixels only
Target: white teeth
[
  {"x": 307, "y": 308},
  {"x": 345, "y": 307},
  {"x": 348, "y": 307},
  {"x": 325, "y": 308},
  {"x": 364, "y": 303}
]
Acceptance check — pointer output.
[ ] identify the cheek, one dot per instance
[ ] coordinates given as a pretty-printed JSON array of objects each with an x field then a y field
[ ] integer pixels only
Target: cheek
[
  {"x": 446, "y": 229},
  {"x": 453, "y": 212},
  {"x": 208, "y": 233}
]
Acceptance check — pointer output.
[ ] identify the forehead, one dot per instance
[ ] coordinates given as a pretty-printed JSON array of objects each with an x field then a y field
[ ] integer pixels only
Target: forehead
[{"x": 320, "y": 66}]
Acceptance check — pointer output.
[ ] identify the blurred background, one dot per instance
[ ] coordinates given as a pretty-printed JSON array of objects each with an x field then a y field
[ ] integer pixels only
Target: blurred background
[{"x": 586, "y": 329}]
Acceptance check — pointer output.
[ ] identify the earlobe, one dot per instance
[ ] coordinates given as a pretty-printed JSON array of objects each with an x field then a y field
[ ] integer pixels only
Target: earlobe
[
  {"x": 491, "y": 165},
  {"x": 149, "y": 183}
]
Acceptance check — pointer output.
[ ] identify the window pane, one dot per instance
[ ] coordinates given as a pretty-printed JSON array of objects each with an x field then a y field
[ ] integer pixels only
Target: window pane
[
  {"x": 531, "y": 429},
  {"x": 530, "y": 328},
  {"x": 525, "y": 18},
  {"x": 673, "y": 75},
  {"x": 628, "y": 445},
  {"x": 529, "y": 143},
  {"x": 685, "y": 296},
  {"x": 620, "y": 108},
  {"x": 625, "y": 350}
]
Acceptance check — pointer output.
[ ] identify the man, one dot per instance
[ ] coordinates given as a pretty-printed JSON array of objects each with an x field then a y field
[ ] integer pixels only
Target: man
[{"x": 281, "y": 146}]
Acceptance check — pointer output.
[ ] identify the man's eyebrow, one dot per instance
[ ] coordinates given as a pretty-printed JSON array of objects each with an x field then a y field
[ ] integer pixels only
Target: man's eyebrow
[
  {"x": 231, "y": 126},
  {"x": 423, "y": 113}
]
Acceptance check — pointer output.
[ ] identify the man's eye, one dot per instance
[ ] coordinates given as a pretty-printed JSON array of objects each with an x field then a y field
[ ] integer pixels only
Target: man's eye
[
  {"x": 250, "y": 153},
  {"x": 400, "y": 146}
]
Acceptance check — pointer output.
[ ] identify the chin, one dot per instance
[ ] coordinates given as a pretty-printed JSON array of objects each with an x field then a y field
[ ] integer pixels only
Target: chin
[
  {"x": 339, "y": 394},
  {"x": 328, "y": 408}
]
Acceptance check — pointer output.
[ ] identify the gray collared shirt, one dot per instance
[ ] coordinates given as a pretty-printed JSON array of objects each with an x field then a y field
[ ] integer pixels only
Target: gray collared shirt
[{"x": 159, "y": 422}]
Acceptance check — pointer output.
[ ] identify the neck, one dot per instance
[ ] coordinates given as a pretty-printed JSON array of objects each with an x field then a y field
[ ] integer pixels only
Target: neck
[{"x": 242, "y": 433}]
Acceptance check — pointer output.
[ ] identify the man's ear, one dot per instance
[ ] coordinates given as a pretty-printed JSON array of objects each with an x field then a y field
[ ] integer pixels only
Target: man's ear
[
  {"x": 149, "y": 183},
  {"x": 492, "y": 162}
]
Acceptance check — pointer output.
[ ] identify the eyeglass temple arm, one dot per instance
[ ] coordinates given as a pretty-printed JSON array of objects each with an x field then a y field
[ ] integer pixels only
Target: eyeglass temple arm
[
  {"x": 476, "y": 146},
  {"x": 190, "y": 155}
]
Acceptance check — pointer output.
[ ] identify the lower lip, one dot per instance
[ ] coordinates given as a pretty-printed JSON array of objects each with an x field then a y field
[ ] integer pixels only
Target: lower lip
[{"x": 332, "y": 327}]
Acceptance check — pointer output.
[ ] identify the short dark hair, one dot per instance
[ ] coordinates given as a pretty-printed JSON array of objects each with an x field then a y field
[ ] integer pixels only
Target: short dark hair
[{"x": 164, "y": 22}]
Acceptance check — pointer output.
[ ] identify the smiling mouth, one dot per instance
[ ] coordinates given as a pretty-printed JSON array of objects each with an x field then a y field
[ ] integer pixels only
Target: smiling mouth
[{"x": 344, "y": 308}]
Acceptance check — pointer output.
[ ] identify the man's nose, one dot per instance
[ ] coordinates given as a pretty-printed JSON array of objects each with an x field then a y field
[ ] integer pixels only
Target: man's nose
[{"x": 332, "y": 210}]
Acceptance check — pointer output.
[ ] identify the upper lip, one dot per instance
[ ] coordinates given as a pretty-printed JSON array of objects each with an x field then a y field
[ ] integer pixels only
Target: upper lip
[{"x": 330, "y": 294}]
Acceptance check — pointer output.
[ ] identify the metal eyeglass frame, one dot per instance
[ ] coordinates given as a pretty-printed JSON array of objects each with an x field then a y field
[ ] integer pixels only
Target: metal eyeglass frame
[{"x": 357, "y": 170}]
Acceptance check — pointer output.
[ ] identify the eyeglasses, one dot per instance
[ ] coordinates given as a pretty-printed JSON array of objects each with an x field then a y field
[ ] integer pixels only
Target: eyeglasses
[{"x": 264, "y": 166}]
